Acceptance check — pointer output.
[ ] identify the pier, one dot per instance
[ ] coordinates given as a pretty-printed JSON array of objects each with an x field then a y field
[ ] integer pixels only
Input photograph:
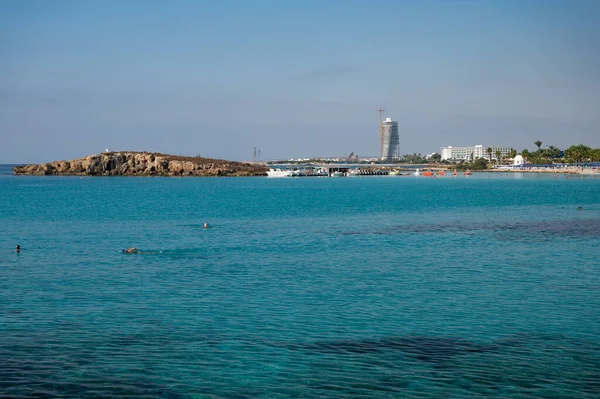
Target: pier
[
  {"x": 368, "y": 171},
  {"x": 314, "y": 170}
]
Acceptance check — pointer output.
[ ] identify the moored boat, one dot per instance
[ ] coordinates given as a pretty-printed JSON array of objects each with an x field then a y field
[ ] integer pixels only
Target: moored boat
[{"x": 279, "y": 173}]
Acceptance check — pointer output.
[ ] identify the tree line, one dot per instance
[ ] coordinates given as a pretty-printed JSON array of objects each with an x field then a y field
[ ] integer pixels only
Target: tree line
[
  {"x": 574, "y": 154},
  {"x": 578, "y": 153}
]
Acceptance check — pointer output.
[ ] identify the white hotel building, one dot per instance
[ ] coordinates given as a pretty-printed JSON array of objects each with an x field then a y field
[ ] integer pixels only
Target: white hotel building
[{"x": 471, "y": 153}]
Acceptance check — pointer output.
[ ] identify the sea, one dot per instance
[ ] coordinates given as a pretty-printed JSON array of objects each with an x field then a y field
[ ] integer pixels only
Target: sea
[{"x": 358, "y": 287}]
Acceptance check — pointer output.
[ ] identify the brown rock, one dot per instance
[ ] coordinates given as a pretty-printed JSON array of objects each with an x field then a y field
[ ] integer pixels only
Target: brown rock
[{"x": 141, "y": 163}]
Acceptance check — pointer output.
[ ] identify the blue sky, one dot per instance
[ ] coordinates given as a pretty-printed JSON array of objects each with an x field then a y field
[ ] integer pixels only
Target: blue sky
[{"x": 294, "y": 78}]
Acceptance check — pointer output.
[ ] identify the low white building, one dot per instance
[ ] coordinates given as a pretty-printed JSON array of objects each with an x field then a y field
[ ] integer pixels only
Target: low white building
[
  {"x": 519, "y": 160},
  {"x": 473, "y": 152}
]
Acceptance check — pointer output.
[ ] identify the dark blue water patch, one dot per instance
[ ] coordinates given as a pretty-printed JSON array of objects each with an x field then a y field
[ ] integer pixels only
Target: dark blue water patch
[
  {"x": 535, "y": 230},
  {"x": 521, "y": 366},
  {"x": 43, "y": 365},
  {"x": 549, "y": 231},
  {"x": 60, "y": 377},
  {"x": 425, "y": 348}
]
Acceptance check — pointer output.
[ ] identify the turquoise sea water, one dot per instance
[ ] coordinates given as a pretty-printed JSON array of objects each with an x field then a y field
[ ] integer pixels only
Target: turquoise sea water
[{"x": 366, "y": 287}]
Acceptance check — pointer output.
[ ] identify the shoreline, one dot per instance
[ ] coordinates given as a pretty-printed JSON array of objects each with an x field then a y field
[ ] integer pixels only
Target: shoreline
[{"x": 567, "y": 170}]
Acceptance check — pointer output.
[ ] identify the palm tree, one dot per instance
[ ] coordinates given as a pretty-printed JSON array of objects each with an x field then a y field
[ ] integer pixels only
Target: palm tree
[
  {"x": 498, "y": 155},
  {"x": 489, "y": 151},
  {"x": 539, "y": 145},
  {"x": 578, "y": 153},
  {"x": 553, "y": 152}
]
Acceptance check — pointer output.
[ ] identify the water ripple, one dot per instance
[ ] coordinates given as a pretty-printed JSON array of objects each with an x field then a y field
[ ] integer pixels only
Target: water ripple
[{"x": 314, "y": 288}]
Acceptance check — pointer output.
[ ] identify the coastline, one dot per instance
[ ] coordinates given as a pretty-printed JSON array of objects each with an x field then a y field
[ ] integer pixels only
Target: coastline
[
  {"x": 562, "y": 169},
  {"x": 559, "y": 170}
]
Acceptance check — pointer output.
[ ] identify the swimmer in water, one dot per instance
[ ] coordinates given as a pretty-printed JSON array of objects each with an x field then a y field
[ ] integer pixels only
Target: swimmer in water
[
  {"x": 137, "y": 251},
  {"x": 206, "y": 225},
  {"x": 18, "y": 248},
  {"x": 580, "y": 208}
]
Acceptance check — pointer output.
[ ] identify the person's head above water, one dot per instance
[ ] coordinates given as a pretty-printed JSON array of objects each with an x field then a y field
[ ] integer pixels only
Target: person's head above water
[
  {"x": 18, "y": 248},
  {"x": 206, "y": 225}
]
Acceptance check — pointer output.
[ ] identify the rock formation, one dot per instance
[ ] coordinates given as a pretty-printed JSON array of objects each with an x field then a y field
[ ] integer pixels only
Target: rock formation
[{"x": 142, "y": 164}]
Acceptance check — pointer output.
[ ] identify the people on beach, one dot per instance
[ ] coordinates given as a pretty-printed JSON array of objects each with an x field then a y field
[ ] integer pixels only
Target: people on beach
[{"x": 18, "y": 248}]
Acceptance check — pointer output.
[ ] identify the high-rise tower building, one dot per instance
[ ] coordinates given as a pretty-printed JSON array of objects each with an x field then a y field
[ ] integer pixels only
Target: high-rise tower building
[{"x": 390, "y": 141}]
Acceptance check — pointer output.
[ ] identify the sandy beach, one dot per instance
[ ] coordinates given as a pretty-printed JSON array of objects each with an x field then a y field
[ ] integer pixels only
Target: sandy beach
[{"x": 550, "y": 169}]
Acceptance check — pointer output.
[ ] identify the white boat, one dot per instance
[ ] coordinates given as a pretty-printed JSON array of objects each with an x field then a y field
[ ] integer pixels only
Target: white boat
[
  {"x": 319, "y": 172},
  {"x": 338, "y": 174},
  {"x": 417, "y": 173},
  {"x": 354, "y": 172},
  {"x": 394, "y": 173},
  {"x": 279, "y": 173}
]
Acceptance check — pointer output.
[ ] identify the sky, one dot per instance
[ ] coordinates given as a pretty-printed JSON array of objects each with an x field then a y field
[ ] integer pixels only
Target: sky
[{"x": 294, "y": 78}]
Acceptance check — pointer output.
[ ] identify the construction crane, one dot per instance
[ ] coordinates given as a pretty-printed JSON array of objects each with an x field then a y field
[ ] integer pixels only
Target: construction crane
[{"x": 380, "y": 130}]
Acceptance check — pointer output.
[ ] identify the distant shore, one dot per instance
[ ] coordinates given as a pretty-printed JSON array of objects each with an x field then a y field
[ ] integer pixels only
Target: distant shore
[
  {"x": 521, "y": 169},
  {"x": 539, "y": 169}
]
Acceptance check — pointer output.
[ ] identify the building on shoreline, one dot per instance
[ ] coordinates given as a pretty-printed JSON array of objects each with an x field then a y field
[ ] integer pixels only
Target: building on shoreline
[
  {"x": 519, "y": 160},
  {"x": 471, "y": 153},
  {"x": 390, "y": 141}
]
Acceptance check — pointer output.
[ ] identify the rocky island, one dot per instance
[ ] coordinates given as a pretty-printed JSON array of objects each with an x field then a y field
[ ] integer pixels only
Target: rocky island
[{"x": 142, "y": 164}]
